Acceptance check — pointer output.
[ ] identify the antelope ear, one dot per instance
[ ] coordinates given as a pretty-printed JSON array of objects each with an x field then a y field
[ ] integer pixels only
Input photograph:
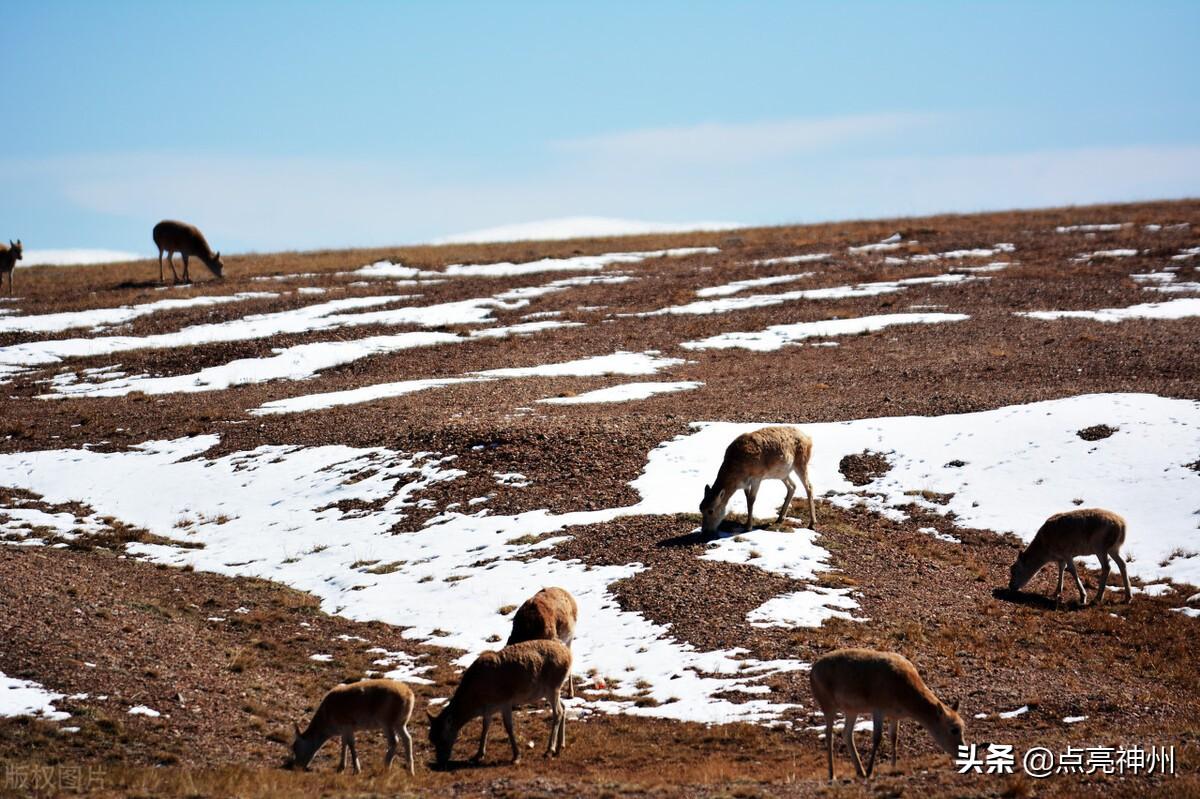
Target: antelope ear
[
  {"x": 954, "y": 705},
  {"x": 430, "y": 713},
  {"x": 296, "y": 727},
  {"x": 217, "y": 257}
]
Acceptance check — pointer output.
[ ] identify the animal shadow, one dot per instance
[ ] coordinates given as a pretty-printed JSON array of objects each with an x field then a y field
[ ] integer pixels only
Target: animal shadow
[
  {"x": 1029, "y": 600},
  {"x": 728, "y": 527}
]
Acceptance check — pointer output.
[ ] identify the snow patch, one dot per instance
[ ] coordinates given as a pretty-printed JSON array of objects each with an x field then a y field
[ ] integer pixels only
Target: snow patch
[
  {"x": 27, "y": 698},
  {"x": 777, "y": 336},
  {"x": 1171, "y": 309},
  {"x": 624, "y": 392}
]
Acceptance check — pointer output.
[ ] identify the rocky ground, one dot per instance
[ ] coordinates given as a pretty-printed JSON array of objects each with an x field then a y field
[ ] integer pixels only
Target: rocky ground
[{"x": 226, "y": 659}]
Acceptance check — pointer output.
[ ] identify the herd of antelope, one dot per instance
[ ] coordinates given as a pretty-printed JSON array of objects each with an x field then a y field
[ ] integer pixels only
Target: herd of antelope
[{"x": 535, "y": 663}]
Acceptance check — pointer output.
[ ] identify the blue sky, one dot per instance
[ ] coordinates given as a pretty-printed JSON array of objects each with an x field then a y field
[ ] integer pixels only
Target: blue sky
[{"x": 296, "y": 125}]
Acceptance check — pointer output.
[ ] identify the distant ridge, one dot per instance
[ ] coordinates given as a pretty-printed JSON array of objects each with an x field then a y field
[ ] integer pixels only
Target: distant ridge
[
  {"x": 77, "y": 257},
  {"x": 578, "y": 227}
]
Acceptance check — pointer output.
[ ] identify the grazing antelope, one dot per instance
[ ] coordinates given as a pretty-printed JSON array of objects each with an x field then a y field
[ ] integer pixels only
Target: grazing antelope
[
  {"x": 549, "y": 614},
  {"x": 770, "y": 453},
  {"x": 1063, "y": 537},
  {"x": 362, "y": 705},
  {"x": 885, "y": 685},
  {"x": 9, "y": 255},
  {"x": 499, "y": 681},
  {"x": 187, "y": 240}
]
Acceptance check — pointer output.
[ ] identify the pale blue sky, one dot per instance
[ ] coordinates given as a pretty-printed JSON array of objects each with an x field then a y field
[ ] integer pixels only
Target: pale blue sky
[{"x": 286, "y": 125}]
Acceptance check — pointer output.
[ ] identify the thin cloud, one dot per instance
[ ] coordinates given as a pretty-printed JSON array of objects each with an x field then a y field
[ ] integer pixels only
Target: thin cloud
[
  {"x": 723, "y": 143},
  {"x": 281, "y": 203}
]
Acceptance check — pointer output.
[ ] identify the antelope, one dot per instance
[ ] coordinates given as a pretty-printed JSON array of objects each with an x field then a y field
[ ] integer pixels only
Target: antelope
[
  {"x": 499, "y": 681},
  {"x": 362, "y": 705},
  {"x": 187, "y": 240},
  {"x": 1063, "y": 537},
  {"x": 769, "y": 453},
  {"x": 549, "y": 614},
  {"x": 886, "y": 685},
  {"x": 9, "y": 255}
]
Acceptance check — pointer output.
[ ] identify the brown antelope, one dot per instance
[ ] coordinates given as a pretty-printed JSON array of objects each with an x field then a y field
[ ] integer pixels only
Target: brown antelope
[
  {"x": 770, "y": 453},
  {"x": 9, "y": 255},
  {"x": 549, "y": 614},
  {"x": 885, "y": 685},
  {"x": 362, "y": 705},
  {"x": 1063, "y": 537},
  {"x": 187, "y": 240},
  {"x": 499, "y": 681}
]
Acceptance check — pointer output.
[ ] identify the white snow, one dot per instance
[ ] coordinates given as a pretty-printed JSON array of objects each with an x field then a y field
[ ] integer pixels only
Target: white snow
[
  {"x": 951, "y": 255},
  {"x": 892, "y": 242},
  {"x": 386, "y": 269},
  {"x": 578, "y": 227},
  {"x": 618, "y": 363},
  {"x": 1166, "y": 282},
  {"x": 1074, "y": 719},
  {"x": 811, "y": 607},
  {"x": 1171, "y": 309},
  {"x": 319, "y": 316},
  {"x": 776, "y": 336},
  {"x": 1087, "y": 256},
  {"x": 142, "y": 710},
  {"x": 300, "y": 362},
  {"x": 793, "y": 554},
  {"x": 793, "y": 259},
  {"x": 624, "y": 392},
  {"x": 579, "y": 263},
  {"x": 1186, "y": 254},
  {"x": 741, "y": 285},
  {"x": 329, "y": 315},
  {"x": 1028, "y": 451},
  {"x": 727, "y": 304},
  {"x": 933, "y": 531},
  {"x": 1012, "y": 714},
  {"x": 26, "y": 698},
  {"x": 355, "y": 396},
  {"x": 300, "y": 538},
  {"x": 321, "y": 657},
  {"x": 1091, "y": 228},
  {"x": 100, "y": 318},
  {"x": 76, "y": 257}
]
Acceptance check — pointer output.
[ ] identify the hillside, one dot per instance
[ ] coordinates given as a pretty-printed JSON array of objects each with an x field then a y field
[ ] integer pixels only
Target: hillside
[{"x": 222, "y": 499}]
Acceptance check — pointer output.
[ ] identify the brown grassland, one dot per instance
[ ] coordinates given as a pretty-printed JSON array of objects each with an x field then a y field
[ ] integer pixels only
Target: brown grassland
[{"x": 88, "y": 618}]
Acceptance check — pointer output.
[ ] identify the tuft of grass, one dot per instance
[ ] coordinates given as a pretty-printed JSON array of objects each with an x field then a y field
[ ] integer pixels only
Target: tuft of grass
[{"x": 387, "y": 568}]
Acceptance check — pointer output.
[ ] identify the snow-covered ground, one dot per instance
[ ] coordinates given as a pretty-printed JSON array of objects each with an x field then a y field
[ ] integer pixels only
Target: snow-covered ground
[
  {"x": 278, "y": 505},
  {"x": 624, "y": 392},
  {"x": 289, "y": 363},
  {"x": 777, "y": 336},
  {"x": 617, "y": 363},
  {"x": 25, "y": 698},
  {"x": 758, "y": 282},
  {"x": 1172, "y": 309},
  {"x": 726, "y": 304},
  {"x": 578, "y": 263},
  {"x": 100, "y": 318},
  {"x": 1090, "y": 256},
  {"x": 577, "y": 227}
]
